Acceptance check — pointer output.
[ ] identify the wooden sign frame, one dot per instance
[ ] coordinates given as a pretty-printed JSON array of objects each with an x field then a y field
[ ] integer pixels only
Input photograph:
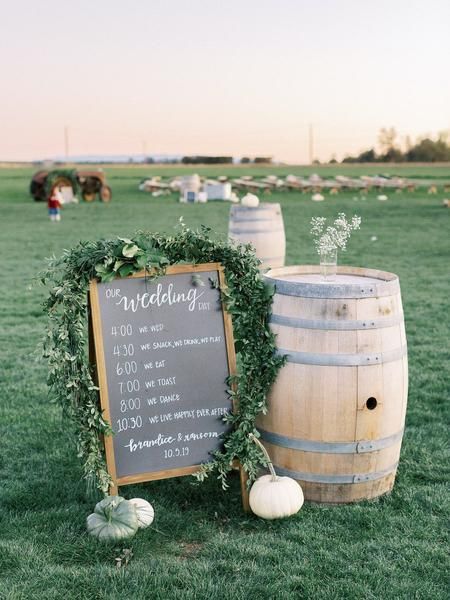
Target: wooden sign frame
[{"x": 97, "y": 359}]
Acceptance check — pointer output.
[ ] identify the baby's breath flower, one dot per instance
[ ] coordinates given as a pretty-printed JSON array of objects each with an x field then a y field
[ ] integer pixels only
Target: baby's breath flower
[{"x": 335, "y": 236}]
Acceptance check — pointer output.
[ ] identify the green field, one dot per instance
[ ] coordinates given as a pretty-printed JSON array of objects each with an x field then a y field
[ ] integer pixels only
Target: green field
[{"x": 202, "y": 546}]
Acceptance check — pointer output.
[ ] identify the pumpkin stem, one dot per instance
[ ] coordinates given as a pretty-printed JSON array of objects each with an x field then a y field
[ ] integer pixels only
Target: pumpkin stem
[{"x": 266, "y": 455}]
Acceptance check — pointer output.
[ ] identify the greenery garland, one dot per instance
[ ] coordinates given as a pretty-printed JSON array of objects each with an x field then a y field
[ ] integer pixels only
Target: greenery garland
[{"x": 247, "y": 298}]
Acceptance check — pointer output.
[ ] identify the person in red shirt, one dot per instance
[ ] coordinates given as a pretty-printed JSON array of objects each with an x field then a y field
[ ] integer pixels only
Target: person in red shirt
[{"x": 54, "y": 204}]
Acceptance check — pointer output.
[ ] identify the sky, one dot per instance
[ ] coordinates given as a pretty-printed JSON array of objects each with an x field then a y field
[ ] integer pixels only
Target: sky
[{"x": 241, "y": 77}]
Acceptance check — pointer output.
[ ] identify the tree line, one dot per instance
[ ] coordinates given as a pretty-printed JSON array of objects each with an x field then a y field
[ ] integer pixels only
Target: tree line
[{"x": 425, "y": 149}]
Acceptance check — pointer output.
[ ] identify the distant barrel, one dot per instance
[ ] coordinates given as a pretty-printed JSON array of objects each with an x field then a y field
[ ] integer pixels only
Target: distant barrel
[
  {"x": 190, "y": 183},
  {"x": 263, "y": 228},
  {"x": 337, "y": 409}
]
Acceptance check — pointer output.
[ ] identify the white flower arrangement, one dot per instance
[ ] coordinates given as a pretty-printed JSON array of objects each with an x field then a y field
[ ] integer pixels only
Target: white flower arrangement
[{"x": 334, "y": 237}]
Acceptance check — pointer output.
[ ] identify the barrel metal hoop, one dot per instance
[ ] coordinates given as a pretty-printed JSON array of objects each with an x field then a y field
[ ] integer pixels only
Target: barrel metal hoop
[
  {"x": 314, "y": 290},
  {"x": 342, "y": 360},
  {"x": 360, "y": 447},
  {"x": 254, "y": 231},
  {"x": 338, "y": 479},
  {"x": 240, "y": 220},
  {"x": 251, "y": 209},
  {"x": 342, "y": 325}
]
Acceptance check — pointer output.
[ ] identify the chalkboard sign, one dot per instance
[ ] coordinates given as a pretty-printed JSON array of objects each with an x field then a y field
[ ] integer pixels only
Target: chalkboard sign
[{"x": 164, "y": 350}]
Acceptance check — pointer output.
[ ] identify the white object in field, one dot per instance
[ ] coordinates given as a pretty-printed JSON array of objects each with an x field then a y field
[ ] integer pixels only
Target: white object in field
[
  {"x": 189, "y": 196},
  {"x": 153, "y": 184},
  {"x": 382, "y": 197},
  {"x": 291, "y": 179},
  {"x": 234, "y": 198},
  {"x": 263, "y": 228},
  {"x": 65, "y": 194},
  {"x": 273, "y": 497},
  {"x": 317, "y": 197},
  {"x": 218, "y": 191},
  {"x": 373, "y": 238},
  {"x": 250, "y": 200},
  {"x": 202, "y": 197},
  {"x": 446, "y": 202},
  {"x": 144, "y": 511},
  {"x": 190, "y": 183},
  {"x": 175, "y": 184}
]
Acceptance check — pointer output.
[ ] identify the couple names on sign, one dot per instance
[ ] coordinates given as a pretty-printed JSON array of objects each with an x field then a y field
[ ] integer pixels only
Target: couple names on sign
[{"x": 164, "y": 350}]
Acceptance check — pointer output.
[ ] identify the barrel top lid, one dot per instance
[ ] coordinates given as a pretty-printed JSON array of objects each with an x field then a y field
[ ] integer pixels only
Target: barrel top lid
[
  {"x": 339, "y": 279},
  {"x": 349, "y": 282},
  {"x": 261, "y": 206}
]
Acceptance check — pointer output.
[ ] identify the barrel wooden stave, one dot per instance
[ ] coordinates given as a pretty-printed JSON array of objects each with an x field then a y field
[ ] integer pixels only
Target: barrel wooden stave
[
  {"x": 328, "y": 404},
  {"x": 263, "y": 228}
]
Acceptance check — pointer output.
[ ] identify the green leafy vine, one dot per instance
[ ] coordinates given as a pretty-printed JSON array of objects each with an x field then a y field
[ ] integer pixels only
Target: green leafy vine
[{"x": 70, "y": 378}]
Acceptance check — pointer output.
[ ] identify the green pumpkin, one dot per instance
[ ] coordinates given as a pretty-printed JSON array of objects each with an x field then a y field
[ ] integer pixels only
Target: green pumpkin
[{"x": 113, "y": 519}]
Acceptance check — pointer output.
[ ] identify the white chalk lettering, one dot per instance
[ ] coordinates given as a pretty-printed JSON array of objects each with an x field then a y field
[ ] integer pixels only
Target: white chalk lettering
[
  {"x": 160, "y": 297},
  {"x": 161, "y": 440}
]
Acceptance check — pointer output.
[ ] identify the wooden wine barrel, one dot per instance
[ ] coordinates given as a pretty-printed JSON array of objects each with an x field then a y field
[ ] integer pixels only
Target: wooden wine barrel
[
  {"x": 262, "y": 227},
  {"x": 191, "y": 183},
  {"x": 337, "y": 409}
]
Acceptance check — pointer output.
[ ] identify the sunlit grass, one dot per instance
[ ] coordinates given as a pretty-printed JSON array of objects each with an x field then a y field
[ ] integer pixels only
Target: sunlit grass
[{"x": 202, "y": 545}]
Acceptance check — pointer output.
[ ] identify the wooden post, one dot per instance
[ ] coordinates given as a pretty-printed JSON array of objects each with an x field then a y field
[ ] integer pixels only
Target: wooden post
[{"x": 244, "y": 490}]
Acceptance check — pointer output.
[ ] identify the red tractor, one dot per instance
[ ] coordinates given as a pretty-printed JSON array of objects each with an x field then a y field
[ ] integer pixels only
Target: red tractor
[{"x": 90, "y": 184}]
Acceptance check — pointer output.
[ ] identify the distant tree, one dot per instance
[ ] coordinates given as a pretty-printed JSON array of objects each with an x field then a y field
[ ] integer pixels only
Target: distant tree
[
  {"x": 207, "y": 160},
  {"x": 408, "y": 143},
  {"x": 392, "y": 155},
  {"x": 245, "y": 160},
  {"x": 427, "y": 150},
  {"x": 386, "y": 139},
  {"x": 443, "y": 136},
  {"x": 263, "y": 160},
  {"x": 316, "y": 161},
  {"x": 364, "y": 157},
  {"x": 367, "y": 156},
  {"x": 332, "y": 160}
]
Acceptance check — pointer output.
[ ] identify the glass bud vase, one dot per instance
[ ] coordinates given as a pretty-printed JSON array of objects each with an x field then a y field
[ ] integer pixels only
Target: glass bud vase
[{"x": 328, "y": 264}]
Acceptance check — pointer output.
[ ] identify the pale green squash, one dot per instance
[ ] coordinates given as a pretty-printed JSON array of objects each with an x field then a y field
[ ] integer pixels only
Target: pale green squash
[{"x": 113, "y": 519}]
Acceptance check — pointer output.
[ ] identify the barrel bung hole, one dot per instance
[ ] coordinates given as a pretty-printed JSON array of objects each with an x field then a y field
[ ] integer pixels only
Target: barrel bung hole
[{"x": 371, "y": 403}]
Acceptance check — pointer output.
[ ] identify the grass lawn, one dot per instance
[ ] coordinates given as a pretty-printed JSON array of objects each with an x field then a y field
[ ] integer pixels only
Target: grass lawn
[{"x": 202, "y": 546}]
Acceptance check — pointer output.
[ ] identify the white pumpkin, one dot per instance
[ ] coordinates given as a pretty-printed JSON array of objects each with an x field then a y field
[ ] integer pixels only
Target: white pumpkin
[
  {"x": 382, "y": 197},
  {"x": 317, "y": 197},
  {"x": 144, "y": 511},
  {"x": 250, "y": 200},
  {"x": 273, "y": 497}
]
